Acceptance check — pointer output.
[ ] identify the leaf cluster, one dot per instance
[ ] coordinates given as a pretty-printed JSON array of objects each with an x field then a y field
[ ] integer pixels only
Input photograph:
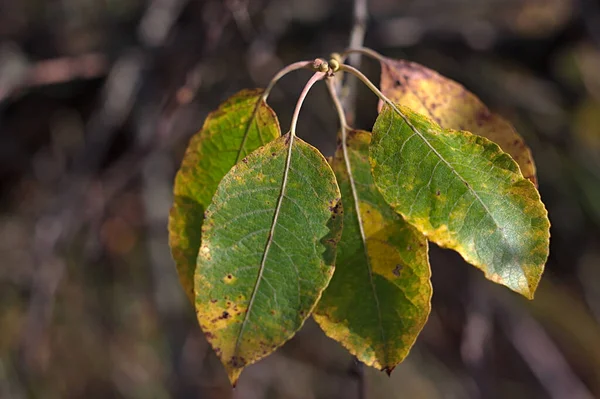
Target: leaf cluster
[{"x": 266, "y": 232}]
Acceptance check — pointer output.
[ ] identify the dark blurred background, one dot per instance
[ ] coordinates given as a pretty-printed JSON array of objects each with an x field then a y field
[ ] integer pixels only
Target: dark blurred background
[{"x": 98, "y": 99}]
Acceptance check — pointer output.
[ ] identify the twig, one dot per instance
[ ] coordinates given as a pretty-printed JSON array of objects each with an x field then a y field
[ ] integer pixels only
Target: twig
[
  {"x": 348, "y": 105},
  {"x": 540, "y": 353},
  {"x": 357, "y": 37},
  {"x": 241, "y": 16},
  {"x": 590, "y": 14},
  {"x": 476, "y": 338}
]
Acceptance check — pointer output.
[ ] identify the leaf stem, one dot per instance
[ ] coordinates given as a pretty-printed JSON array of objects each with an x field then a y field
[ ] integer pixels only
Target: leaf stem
[
  {"x": 290, "y": 68},
  {"x": 378, "y": 93},
  {"x": 363, "y": 236},
  {"x": 263, "y": 99},
  {"x": 362, "y": 50},
  {"x": 314, "y": 79},
  {"x": 366, "y": 81}
]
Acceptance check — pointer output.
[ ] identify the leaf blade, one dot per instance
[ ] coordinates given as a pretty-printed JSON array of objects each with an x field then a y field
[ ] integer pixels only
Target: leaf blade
[
  {"x": 452, "y": 106},
  {"x": 240, "y": 125},
  {"x": 463, "y": 193},
  {"x": 239, "y": 281},
  {"x": 380, "y": 296}
]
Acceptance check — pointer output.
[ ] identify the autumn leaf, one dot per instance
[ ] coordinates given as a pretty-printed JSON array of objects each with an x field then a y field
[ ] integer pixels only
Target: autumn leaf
[
  {"x": 451, "y": 106},
  {"x": 463, "y": 193},
  {"x": 268, "y": 251},
  {"x": 239, "y": 126},
  {"x": 379, "y": 297}
]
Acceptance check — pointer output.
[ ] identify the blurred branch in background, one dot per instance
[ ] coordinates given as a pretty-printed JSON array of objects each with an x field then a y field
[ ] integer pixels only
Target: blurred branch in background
[
  {"x": 57, "y": 225},
  {"x": 357, "y": 38},
  {"x": 97, "y": 102},
  {"x": 17, "y": 75},
  {"x": 539, "y": 352}
]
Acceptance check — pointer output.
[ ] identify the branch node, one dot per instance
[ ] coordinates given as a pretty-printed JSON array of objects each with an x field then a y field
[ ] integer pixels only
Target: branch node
[{"x": 320, "y": 65}]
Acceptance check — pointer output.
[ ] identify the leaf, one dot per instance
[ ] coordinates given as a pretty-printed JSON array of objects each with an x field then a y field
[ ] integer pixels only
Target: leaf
[
  {"x": 451, "y": 106},
  {"x": 268, "y": 251},
  {"x": 463, "y": 193},
  {"x": 239, "y": 126},
  {"x": 380, "y": 295}
]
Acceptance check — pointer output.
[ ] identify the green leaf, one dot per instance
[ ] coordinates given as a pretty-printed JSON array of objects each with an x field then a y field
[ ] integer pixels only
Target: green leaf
[
  {"x": 451, "y": 106},
  {"x": 268, "y": 251},
  {"x": 239, "y": 126},
  {"x": 463, "y": 193},
  {"x": 380, "y": 295}
]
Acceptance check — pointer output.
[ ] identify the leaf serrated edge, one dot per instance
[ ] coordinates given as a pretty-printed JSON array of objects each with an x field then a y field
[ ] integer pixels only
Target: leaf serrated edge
[
  {"x": 234, "y": 375},
  {"x": 529, "y": 293}
]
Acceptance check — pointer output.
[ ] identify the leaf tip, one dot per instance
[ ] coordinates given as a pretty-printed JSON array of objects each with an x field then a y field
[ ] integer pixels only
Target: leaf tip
[
  {"x": 388, "y": 370},
  {"x": 529, "y": 293},
  {"x": 234, "y": 375}
]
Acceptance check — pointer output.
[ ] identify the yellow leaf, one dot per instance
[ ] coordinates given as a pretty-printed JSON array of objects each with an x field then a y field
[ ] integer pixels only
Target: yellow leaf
[{"x": 451, "y": 106}]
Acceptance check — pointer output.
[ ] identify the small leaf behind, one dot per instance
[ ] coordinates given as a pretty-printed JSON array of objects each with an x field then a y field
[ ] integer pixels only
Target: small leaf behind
[
  {"x": 239, "y": 126},
  {"x": 452, "y": 106},
  {"x": 463, "y": 193},
  {"x": 255, "y": 289},
  {"x": 380, "y": 295}
]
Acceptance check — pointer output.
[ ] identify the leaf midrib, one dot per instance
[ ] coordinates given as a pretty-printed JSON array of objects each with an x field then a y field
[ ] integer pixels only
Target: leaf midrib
[
  {"x": 268, "y": 244},
  {"x": 364, "y": 241},
  {"x": 467, "y": 184},
  {"x": 247, "y": 130}
]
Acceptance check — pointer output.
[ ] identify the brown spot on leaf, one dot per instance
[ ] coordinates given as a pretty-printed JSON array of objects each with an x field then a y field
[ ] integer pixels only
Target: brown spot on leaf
[
  {"x": 225, "y": 315},
  {"x": 237, "y": 361},
  {"x": 245, "y": 160},
  {"x": 483, "y": 116},
  {"x": 437, "y": 193},
  {"x": 397, "y": 270},
  {"x": 334, "y": 206}
]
